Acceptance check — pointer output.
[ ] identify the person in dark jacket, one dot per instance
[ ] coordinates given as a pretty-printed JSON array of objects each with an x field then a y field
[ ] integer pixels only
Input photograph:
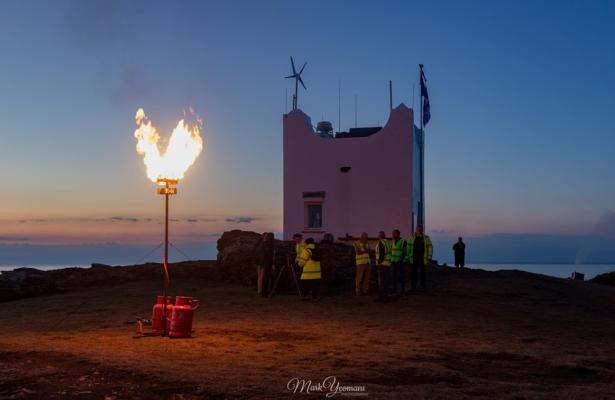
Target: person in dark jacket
[
  {"x": 265, "y": 264},
  {"x": 399, "y": 251},
  {"x": 383, "y": 267},
  {"x": 420, "y": 252},
  {"x": 460, "y": 253}
]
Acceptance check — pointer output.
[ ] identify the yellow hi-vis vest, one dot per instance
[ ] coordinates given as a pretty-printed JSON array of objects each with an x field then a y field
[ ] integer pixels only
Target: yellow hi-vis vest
[
  {"x": 397, "y": 250},
  {"x": 428, "y": 248},
  {"x": 361, "y": 258},
  {"x": 298, "y": 248},
  {"x": 311, "y": 268},
  {"x": 387, "y": 253}
]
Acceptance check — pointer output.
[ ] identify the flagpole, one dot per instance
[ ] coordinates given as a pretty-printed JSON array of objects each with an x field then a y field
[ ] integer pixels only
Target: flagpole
[
  {"x": 413, "y": 211},
  {"x": 422, "y": 160}
]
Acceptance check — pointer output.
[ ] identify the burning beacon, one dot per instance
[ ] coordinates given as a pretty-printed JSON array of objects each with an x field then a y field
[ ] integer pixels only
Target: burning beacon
[
  {"x": 168, "y": 166},
  {"x": 184, "y": 146}
]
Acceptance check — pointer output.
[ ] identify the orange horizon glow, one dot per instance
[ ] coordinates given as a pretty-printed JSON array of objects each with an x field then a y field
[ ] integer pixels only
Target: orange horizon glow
[{"x": 127, "y": 229}]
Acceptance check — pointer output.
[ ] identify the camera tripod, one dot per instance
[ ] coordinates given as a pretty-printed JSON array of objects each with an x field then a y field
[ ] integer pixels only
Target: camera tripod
[{"x": 290, "y": 267}]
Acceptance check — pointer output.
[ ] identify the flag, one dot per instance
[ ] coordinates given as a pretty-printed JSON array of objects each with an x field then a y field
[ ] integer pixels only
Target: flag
[{"x": 424, "y": 98}]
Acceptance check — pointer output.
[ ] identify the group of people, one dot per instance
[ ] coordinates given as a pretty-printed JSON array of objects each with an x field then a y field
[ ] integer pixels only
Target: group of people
[{"x": 392, "y": 259}]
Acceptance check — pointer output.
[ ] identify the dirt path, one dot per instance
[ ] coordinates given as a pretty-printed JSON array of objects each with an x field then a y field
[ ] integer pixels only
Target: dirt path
[{"x": 472, "y": 336}]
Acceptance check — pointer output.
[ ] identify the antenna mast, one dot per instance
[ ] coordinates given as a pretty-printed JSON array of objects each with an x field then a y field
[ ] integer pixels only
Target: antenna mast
[
  {"x": 390, "y": 95},
  {"x": 339, "y": 105},
  {"x": 355, "y": 110}
]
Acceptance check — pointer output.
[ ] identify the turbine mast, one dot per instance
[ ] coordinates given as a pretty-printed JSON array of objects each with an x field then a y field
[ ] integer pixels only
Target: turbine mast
[{"x": 297, "y": 77}]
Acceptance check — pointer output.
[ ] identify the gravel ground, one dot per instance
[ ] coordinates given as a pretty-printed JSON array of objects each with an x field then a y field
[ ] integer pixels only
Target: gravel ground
[{"x": 473, "y": 334}]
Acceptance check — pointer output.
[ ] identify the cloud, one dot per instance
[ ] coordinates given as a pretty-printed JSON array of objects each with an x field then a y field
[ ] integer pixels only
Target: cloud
[
  {"x": 606, "y": 224},
  {"x": 25, "y": 221},
  {"x": 193, "y": 220},
  {"x": 192, "y": 235},
  {"x": 240, "y": 220},
  {"x": 128, "y": 219},
  {"x": 14, "y": 239}
]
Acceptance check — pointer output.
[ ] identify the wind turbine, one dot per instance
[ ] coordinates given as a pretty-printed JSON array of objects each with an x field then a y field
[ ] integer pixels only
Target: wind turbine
[{"x": 297, "y": 76}]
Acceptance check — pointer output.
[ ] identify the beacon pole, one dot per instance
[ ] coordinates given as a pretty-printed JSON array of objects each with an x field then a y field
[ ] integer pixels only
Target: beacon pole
[{"x": 165, "y": 188}]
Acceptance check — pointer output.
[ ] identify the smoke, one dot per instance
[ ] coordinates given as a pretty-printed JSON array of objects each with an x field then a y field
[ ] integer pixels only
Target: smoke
[
  {"x": 94, "y": 24},
  {"x": 129, "y": 85},
  {"x": 105, "y": 30}
]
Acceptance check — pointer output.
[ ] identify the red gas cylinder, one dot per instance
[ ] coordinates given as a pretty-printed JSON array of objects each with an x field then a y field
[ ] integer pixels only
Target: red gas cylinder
[
  {"x": 158, "y": 314},
  {"x": 183, "y": 316}
]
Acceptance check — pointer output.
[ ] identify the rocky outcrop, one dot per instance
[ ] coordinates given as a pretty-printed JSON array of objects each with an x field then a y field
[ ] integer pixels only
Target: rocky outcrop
[
  {"x": 25, "y": 282},
  {"x": 237, "y": 261},
  {"x": 605, "y": 279},
  {"x": 236, "y": 257},
  {"x": 28, "y": 282}
]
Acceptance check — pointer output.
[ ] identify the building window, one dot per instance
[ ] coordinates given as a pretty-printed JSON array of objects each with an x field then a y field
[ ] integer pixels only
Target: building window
[{"x": 314, "y": 215}]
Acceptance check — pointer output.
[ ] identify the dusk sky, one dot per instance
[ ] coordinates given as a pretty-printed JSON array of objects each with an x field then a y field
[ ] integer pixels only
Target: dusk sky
[{"x": 521, "y": 140}]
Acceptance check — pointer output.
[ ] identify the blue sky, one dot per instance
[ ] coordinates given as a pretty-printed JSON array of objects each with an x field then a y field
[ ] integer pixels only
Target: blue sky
[{"x": 521, "y": 138}]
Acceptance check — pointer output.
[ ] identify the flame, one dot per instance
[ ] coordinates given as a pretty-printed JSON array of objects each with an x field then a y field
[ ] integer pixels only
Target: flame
[{"x": 184, "y": 146}]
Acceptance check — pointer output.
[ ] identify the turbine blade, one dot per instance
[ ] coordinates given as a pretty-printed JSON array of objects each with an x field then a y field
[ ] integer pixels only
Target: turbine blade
[
  {"x": 302, "y": 68},
  {"x": 290, "y": 76},
  {"x": 301, "y": 80},
  {"x": 292, "y": 62}
]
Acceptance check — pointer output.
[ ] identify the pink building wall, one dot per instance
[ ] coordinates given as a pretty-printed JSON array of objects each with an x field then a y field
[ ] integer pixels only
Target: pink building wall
[{"x": 374, "y": 195}]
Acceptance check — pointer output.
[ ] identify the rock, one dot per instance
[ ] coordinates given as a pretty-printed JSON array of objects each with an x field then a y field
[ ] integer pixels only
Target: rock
[
  {"x": 26, "y": 391},
  {"x": 100, "y": 266},
  {"x": 24, "y": 282},
  {"x": 237, "y": 261},
  {"x": 21, "y": 274},
  {"x": 28, "y": 282},
  {"x": 607, "y": 278},
  {"x": 9, "y": 291}
]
